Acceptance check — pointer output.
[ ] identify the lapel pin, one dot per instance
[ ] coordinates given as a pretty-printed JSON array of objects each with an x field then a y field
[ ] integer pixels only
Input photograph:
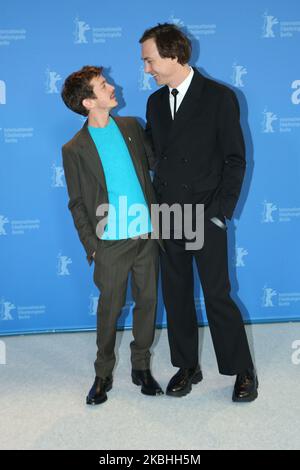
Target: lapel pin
[{"x": 129, "y": 138}]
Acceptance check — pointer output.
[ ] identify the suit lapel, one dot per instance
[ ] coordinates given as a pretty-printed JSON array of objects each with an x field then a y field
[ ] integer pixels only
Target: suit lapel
[
  {"x": 165, "y": 118},
  {"x": 91, "y": 155},
  {"x": 190, "y": 104},
  {"x": 165, "y": 112}
]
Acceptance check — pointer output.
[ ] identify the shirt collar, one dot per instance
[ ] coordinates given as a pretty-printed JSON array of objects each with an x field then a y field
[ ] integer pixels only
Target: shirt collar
[{"x": 183, "y": 87}]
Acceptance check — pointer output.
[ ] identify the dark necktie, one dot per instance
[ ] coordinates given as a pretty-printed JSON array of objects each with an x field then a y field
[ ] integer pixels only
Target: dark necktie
[{"x": 174, "y": 93}]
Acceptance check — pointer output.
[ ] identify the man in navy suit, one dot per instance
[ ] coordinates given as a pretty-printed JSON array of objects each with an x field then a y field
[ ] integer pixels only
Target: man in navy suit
[{"x": 193, "y": 124}]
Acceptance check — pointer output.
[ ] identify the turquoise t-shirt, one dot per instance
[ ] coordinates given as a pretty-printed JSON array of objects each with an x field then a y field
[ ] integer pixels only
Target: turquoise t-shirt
[{"x": 128, "y": 214}]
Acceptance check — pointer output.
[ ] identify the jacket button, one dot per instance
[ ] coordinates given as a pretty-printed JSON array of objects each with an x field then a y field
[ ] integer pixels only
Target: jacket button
[
  {"x": 184, "y": 160},
  {"x": 164, "y": 157},
  {"x": 184, "y": 186}
]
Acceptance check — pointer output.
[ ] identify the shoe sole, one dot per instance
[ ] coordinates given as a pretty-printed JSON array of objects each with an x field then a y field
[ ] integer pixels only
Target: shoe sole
[
  {"x": 182, "y": 393},
  {"x": 139, "y": 383},
  {"x": 89, "y": 401},
  {"x": 246, "y": 399}
]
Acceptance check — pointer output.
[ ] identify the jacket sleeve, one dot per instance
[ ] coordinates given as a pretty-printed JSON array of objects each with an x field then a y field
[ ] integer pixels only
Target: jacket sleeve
[
  {"x": 76, "y": 204},
  {"x": 232, "y": 146}
]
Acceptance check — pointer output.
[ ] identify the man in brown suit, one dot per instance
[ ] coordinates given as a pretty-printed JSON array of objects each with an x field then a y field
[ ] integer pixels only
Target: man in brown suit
[{"x": 105, "y": 161}]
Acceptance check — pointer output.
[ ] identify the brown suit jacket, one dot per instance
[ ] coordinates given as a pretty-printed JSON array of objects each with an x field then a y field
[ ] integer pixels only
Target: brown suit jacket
[{"x": 86, "y": 180}]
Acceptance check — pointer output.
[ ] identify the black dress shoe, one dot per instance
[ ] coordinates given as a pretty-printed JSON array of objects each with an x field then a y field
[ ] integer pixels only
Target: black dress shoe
[
  {"x": 245, "y": 388},
  {"x": 97, "y": 394},
  {"x": 181, "y": 384},
  {"x": 148, "y": 383}
]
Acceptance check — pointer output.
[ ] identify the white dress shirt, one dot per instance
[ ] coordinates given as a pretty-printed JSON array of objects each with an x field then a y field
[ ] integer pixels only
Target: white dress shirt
[{"x": 182, "y": 89}]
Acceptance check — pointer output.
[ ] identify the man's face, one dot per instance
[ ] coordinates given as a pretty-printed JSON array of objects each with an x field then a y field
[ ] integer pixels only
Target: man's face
[
  {"x": 105, "y": 95},
  {"x": 161, "y": 69}
]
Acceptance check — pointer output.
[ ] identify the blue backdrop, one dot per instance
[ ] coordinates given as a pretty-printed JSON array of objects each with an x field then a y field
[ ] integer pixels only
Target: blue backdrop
[{"x": 46, "y": 283}]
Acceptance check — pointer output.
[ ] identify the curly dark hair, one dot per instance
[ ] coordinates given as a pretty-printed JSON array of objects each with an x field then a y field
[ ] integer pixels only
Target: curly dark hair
[
  {"x": 170, "y": 41},
  {"x": 78, "y": 86}
]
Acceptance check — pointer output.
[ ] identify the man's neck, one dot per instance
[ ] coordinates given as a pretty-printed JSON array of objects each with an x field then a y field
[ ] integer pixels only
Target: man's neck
[
  {"x": 183, "y": 72},
  {"x": 98, "y": 118}
]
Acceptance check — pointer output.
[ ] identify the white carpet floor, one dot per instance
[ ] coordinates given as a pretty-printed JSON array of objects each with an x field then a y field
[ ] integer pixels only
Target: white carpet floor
[{"x": 46, "y": 378}]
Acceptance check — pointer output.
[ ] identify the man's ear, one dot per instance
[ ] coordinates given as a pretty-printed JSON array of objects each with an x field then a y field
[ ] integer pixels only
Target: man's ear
[{"x": 87, "y": 103}]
